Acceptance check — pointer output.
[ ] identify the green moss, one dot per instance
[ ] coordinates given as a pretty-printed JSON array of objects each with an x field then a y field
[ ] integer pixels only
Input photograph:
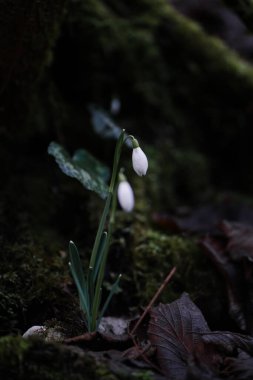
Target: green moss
[
  {"x": 170, "y": 75},
  {"x": 12, "y": 353},
  {"x": 22, "y": 359},
  {"x": 105, "y": 373},
  {"x": 142, "y": 39},
  {"x": 34, "y": 261},
  {"x": 184, "y": 180},
  {"x": 147, "y": 375},
  {"x": 31, "y": 287},
  {"x": 154, "y": 256},
  {"x": 36, "y": 360}
]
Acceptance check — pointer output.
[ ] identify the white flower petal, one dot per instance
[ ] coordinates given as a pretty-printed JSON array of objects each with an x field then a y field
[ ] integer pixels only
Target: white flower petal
[
  {"x": 140, "y": 161},
  {"x": 125, "y": 196}
]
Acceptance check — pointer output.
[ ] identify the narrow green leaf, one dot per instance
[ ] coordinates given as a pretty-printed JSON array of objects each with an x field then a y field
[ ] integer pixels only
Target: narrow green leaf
[
  {"x": 94, "y": 314},
  {"x": 83, "y": 300},
  {"x": 78, "y": 276},
  {"x": 76, "y": 263},
  {"x": 101, "y": 272},
  {"x": 90, "y": 286},
  {"x": 116, "y": 161},
  {"x": 108, "y": 300}
]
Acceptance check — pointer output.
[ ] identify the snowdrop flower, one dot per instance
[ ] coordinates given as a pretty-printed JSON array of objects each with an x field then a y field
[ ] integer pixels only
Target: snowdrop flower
[
  {"x": 139, "y": 159},
  {"x": 125, "y": 195}
]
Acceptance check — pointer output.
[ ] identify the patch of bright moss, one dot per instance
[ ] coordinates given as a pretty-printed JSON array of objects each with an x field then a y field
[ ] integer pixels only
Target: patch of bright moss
[{"x": 154, "y": 256}]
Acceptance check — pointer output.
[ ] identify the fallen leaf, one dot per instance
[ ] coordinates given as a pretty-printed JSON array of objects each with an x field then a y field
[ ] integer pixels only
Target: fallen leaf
[
  {"x": 188, "y": 350},
  {"x": 240, "y": 240},
  {"x": 233, "y": 257},
  {"x": 240, "y": 368},
  {"x": 197, "y": 370},
  {"x": 176, "y": 331},
  {"x": 229, "y": 341}
]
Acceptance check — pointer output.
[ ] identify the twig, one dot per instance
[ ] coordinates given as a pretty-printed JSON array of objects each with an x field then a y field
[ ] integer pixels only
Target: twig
[
  {"x": 87, "y": 337},
  {"x": 157, "y": 294}
]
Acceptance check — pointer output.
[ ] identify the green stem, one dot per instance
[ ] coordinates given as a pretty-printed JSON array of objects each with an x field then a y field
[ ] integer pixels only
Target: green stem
[
  {"x": 116, "y": 161},
  {"x": 135, "y": 143},
  {"x": 108, "y": 200},
  {"x": 113, "y": 210}
]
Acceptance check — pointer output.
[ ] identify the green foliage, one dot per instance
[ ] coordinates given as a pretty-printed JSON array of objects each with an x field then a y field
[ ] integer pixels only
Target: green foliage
[
  {"x": 87, "y": 162},
  {"x": 82, "y": 166}
]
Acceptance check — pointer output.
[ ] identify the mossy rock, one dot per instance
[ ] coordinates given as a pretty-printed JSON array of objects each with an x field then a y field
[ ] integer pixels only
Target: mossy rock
[
  {"x": 23, "y": 359},
  {"x": 176, "y": 177},
  {"x": 35, "y": 280},
  {"x": 32, "y": 289},
  {"x": 155, "y": 254},
  {"x": 35, "y": 359}
]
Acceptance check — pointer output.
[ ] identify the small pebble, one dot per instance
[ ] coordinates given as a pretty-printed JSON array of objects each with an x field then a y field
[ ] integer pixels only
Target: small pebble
[{"x": 35, "y": 330}]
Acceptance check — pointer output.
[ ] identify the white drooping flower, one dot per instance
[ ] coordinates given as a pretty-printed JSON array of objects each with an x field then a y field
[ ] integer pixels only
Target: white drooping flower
[
  {"x": 139, "y": 159},
  {"x": 126, "y": 196}
]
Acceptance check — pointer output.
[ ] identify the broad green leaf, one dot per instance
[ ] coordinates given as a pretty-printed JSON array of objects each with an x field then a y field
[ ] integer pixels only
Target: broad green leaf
[
  {"x": 82, "y": 166},
  {"x": 85, "y": 160}
]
